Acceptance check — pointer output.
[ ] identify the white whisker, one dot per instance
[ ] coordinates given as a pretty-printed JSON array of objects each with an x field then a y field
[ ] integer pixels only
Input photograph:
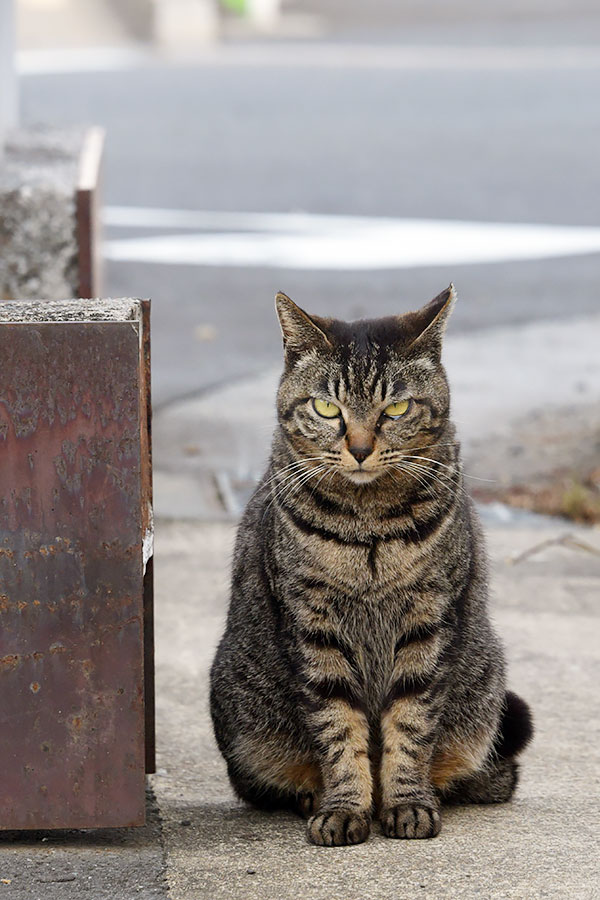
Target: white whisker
[
  {"x": 294, "y": 488},
  {"x": 450, "y": 468},
  {"x": 287, "y": 470},
  {"x": 440, "y": 477},
  {"x": 426, "y": 473},
  {"x": 414, "y": 475},
  {"x": 297, "y": 482},
  {"x": 331, "y": 470}
]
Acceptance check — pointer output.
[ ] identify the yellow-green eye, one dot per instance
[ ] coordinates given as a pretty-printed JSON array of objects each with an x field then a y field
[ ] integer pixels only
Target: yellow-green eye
[
  {"x": 326, "y": 409},
  {"x": 395, "y": 410}
]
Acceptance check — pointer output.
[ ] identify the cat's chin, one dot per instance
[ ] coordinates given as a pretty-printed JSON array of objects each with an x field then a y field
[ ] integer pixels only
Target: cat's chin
[{"x": 359, "y": 476}]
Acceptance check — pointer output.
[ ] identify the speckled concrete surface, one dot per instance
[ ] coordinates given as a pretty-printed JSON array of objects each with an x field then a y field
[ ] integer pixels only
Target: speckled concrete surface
[{"x": 38, "y": 242}]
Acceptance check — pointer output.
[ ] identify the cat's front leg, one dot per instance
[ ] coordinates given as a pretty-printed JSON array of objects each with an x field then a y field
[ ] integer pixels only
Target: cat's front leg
[
  {"x": 340, "y": 736},
  {"x": 409, "y": 805}
]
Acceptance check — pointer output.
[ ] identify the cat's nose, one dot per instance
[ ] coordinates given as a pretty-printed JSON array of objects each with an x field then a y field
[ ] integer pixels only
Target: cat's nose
[{"x": 360, "y": 453}]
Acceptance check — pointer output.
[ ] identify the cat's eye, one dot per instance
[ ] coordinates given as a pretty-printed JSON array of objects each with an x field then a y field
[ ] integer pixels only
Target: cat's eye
[
  {"x": 326, "y": 409},
  {"x": 395, "y": 410}
]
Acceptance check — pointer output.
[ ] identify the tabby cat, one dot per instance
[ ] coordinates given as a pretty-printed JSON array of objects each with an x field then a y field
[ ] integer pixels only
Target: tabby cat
[{"x": 359, "y": 674}]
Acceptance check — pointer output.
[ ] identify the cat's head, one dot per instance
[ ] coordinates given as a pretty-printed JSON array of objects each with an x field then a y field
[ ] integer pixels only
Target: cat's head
[{"x": 356, "y": 396}]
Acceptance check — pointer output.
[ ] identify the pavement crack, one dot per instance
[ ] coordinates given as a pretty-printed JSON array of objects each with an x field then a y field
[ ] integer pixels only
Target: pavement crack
[{"x": 565, "y": 540}]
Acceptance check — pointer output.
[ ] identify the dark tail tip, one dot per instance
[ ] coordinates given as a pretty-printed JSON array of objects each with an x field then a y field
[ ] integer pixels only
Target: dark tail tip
[{"x": 516, "y": 727}]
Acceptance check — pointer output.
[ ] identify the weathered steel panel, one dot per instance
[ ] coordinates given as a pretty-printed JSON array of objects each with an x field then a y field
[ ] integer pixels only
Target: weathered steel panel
[{"x": 71, "y": 575}]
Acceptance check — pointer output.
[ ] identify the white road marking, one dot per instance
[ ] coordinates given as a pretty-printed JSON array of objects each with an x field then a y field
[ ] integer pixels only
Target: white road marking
[
  {"x": 88, "y": 59},
  {"x": 151, "y": 217},
  {"x": 345, "y": 243},
  {"x": 317, "y": 55}
]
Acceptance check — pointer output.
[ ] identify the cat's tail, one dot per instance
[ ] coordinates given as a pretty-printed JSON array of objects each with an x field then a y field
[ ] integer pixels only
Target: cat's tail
[{"x": 516, "y": 727}]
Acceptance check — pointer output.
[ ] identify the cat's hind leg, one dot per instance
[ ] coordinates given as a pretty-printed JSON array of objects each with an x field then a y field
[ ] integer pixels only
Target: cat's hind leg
[
  {"x": 268, "y": 774},
  {"x": 496, "y": 781},
  {"x": 257, "y": 728}
]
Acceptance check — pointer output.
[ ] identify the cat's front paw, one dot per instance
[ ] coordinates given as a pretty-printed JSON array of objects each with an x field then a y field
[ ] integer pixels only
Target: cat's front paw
[
  {"x": 339, "y": 827},
  {"x": 411, "y": 821}
]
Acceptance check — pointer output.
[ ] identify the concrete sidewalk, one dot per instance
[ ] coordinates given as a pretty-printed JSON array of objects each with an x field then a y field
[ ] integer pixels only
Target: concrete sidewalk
[{"x": 543, "y": 844}]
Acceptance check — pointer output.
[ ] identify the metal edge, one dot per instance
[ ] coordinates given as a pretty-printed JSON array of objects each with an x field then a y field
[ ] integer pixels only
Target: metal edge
[
  {"x": 86, "y": 213},
  {"x": 148, "y": 531}
]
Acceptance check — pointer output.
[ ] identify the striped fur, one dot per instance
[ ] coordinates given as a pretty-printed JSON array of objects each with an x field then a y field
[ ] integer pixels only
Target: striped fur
[{"x": 359, "y": 674}]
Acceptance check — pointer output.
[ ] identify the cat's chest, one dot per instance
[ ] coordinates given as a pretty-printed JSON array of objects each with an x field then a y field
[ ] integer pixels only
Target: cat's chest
[
  {"x": 366, "y": 566},
  {"x": 369, "y": 597}
]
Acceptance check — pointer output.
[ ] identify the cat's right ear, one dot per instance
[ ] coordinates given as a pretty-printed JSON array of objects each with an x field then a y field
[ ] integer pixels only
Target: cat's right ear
[
  {"x": 300, "y": 332},
  {"x": 429, "y": 323}
]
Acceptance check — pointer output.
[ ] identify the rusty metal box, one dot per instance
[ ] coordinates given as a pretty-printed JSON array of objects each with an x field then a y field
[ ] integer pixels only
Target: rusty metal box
[{"x": 76, "y": 667}]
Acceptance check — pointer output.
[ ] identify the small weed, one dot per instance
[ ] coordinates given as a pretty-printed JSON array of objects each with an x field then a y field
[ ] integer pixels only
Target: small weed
[{"x": 572, "y": 496}]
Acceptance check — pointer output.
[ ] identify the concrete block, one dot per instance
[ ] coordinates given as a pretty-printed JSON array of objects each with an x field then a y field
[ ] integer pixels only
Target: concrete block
[{"x": 47, "y": 231}]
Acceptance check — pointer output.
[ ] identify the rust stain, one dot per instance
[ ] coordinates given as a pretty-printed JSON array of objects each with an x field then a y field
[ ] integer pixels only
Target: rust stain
[
  {"x": 34, "y": 687},
  {"x": 87, "y": 666},
  {"x": 10, "y": 662}
]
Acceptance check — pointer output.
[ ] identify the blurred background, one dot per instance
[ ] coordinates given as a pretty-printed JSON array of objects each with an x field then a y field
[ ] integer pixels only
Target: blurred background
[{"x": 358, "y": 156}]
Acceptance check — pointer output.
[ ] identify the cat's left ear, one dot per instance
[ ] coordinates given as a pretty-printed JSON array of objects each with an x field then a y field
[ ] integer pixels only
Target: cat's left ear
[{"x": 430, "y": 322}]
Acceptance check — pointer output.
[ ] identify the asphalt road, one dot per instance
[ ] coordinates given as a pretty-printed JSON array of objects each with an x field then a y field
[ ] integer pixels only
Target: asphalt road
[{"x": 506, "y": 143}]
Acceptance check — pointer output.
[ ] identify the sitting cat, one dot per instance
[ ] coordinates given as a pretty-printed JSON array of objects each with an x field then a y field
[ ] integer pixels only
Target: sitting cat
[{"x": 359, "y": 673}]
